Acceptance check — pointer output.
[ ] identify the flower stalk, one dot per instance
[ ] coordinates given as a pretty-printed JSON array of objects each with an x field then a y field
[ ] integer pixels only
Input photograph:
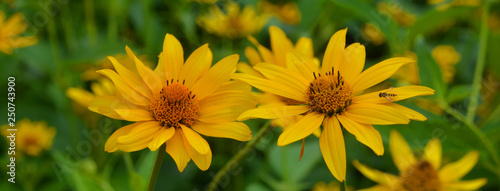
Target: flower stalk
[{"x": 156, "y": 168}]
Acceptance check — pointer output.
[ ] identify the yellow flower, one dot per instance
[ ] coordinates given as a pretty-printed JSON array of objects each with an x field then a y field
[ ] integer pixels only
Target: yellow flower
[
  {"x": 175, "y": 103},
  {"x": 446, "y": 57},
  {"x": 103, "y": 87},
  {"x": 10, "y": 30},
  {"x": 408, "y": 73},
  {"x": 424, "y": 173},
  {"x": 31, "y": 137},
  {"x": 333, "y": 186},
  {"x": 235, "y": 23},
  {"x": 328, "y": 95},
  {"x": 373, "y": 34},
  {"x": 287, "y": 12},
  {"x": 396, "y": 12}
]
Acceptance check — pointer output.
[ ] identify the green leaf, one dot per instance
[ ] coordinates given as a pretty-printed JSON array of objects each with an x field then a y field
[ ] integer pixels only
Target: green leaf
[
  {"x": 458, "y": 93},
  {"x": 429, "y": 72},
  {"x": 432, "y": 20}
]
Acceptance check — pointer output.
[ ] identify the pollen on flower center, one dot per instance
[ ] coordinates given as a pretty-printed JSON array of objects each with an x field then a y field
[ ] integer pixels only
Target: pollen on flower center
[
  {"x": 174, "y": 105},
  {"x": 329, "y": 94},
  {"x": 421, "y": 176}
]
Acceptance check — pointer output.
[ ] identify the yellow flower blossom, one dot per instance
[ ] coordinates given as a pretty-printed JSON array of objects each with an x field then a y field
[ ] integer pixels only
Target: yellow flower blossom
[
  {"x": 446, "y": 57},
  {"x": 423, "y": 173},
  {"x": 332, "y": 186},
  {"x": 373, "y": 34},
  {"x": 287, "y": 12},
  {"x": 329, "y": 96},
  {"x": 10, "y": 30},
  {"x": 396, "y": 12},
  {"x": 234, "y": 23},
  {"x": 175, "y": 103},
  {"x": 31, "y": 137}
]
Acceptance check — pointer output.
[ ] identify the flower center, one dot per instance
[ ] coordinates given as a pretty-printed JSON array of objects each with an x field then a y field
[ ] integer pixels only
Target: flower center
[
  {"x": 329, "y": 94},
  {"x": 421, "y": 176},
  {"x": 174, "y": 105},
  {"x": 29, "y": 141}
]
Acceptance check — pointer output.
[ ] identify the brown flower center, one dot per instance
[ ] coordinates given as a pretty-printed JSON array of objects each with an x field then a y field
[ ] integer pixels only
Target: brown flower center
[
  {"x": 174, "y": 105},
  {"x": 329, "y": 94},
  {"x": 421, "y": 176}
]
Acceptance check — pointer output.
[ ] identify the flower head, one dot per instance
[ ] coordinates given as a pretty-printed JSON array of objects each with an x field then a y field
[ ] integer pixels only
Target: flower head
[
  {"x": 175, "y": 103},
  {"x": 287, "y": 12},
  {"x": 446, "y": 57},
  {"x": 234, "y": 23},
  {"x": 10, "y": 30},
  {"x": 424, "y": 173},
  {"x": 31, "y": 137},
  {"x": 329, "y": 95},
  {"x": 396, "y": 12}
]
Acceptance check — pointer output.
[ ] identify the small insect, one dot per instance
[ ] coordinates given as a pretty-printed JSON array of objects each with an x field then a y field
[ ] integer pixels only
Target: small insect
[{"x": 387, "y": 95}]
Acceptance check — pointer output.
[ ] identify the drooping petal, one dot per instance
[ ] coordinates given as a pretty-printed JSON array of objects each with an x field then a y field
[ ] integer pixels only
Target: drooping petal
[
  {"x": 377, "y": 114},
  {"x": 106, "y": 105},
  {"x": 332, "y": 147},
  {"x": 125, "y": 90},
  {"x": 198, "y": 63},
  {"x": 177, "y": 150},
  {"x": 334, "y": 54},
  {"x": 110, "y": 145},
  {"x": 139, "y": 137},
  {"x": 203, "y": 161},
  {"x": 456, "y": 170},
  {"x": 134, "y": 81},
  {"x": 410, "y": 113},
  {"x": 402, "y": 155},
  {"x": 400, "y": 93},
  {"x": 378, "y": 73},
  {"x": 273, "y": 112},
  {"x": 215, "y": 77},
  {"x": 195, "y": 140},
  {"x": 271, "y": 87},
  {"x": 303, "y": 128},
  {"x": 432, "y": 153},
  {"x": 466, "y": 184},
  {"x": 283, "y": 75},
  {"x": 173, "y": 56},
  {"x": 365, "y": 133},
  {"x": 233, "y": 130},
  {"x": 280, "y": 45},
  {"x": 354, "y": 60},
  {"x": 161, "y": 137},
  {"x": 377, "y": 176}
]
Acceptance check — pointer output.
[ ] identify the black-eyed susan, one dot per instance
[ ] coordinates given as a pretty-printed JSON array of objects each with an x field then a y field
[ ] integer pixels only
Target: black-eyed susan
[
  {"x": 328, "y": 95},
  {"x": 425, "y": 172},
  {"x": 31, "y": 137},
  {"x": 10, "y": 30},
  {"x": 234, "y": 22},
  {"x": 287, "y": 12},
  {"x": 175, "y": 103}
]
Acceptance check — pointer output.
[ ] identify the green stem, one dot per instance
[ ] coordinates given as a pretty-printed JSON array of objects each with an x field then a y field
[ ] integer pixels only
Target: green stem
[
  {"x": 343, "y": 187},
  {"x": 90, "y": 21},
  {"x": 236, "y": 158},
  {"x": 480, "y": 62},
  {"x": 156, "y": 168}
]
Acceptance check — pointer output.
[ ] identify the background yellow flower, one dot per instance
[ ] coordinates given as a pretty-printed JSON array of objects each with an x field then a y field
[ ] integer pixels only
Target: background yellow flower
[
  {"x": 31, "y": 138},
  {"x": 10, "y": 29}
]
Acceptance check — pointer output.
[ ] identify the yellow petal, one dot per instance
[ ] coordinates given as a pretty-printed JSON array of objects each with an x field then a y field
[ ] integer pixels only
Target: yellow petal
[
  {"x": 125, "y": 90},
  {"x": 401, "y": 93},
  {"x": 225, "y": 105},
  {"x": 152, "y": 80},
  {"x": 456, "y": 170},
  {"x": 173, "y": 56},
  {"x": 160, "y": 69},
  {"x": 303, "y": 128},
  {"x": 377, "y": 188},
  {"x": 130, "y": 78},
  {"x": 110, "y": 145},
  {"x": 382, "y": 178},
  {"x": 303, "y": 65},
  {"x": 233, "y": 130},
  {"x": 378, "y": 73},
  {"x": 432, "y": 153},
  {"x": 304, "y": 46},
  {"x": 80, "y": 96},
  {"x": 252, "y": 55},
  {"x": 280, "y": 44},
  {"x": 410, "y": 113},
  {"x": 273, "y": 112},
  {"x": 332, "y": 147},
  {"x": 135, "y": 114},
  {"x": 355, "y": 60},
  {"x": 377, "y": 114},
  {"x": 14, "y": 22},
  {"x": 402, "y": 155},
  {"x": 177, "y": 150},
  {"x": 271, "y": 87},
  {"x": 215, "y": 77},
  {"x": 247, "y": 69},
  {"x": 139, "y": 137},
  {"x": 283, "y": 76},
  {"x": 334, "y": 54},
  {"x": 203, "y": 161},
  {"x": 198, "y": 63},
  {"x": 195, "y": 140},
  {"x": 466, "y": 184},
  {"x": 267, "y": 55},
  {"x": 106, "y": 105},
  {"x": 365, "y": 133},
  {"x": 161, "y": 137}
]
